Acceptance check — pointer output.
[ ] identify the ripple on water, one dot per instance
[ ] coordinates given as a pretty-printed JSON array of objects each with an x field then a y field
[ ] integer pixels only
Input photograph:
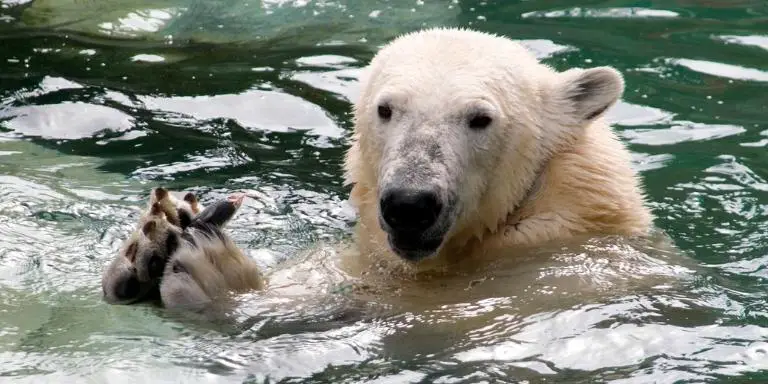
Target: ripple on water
[
  {"x": 748, "y": 40},
  {"x": 48, "y": 84},
  {"x": 209, "y": 161},
  {"x": 728, "y": 71},
  {"x": 139, "y": 22},
  {"x": 629, "y": 115},
  {"x": 65, "y": 121},
  {"x": 680, "y": 132},
  {"x": 628, "y": 12},
  {"x": 254, "y": 109}
]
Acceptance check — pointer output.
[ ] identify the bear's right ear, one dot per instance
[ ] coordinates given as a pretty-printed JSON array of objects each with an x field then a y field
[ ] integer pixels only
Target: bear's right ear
[{"x": 585, "y": 94}]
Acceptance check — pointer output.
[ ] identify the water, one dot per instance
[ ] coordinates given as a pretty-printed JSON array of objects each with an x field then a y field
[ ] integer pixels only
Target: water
[{"x": 102, "y": 100}]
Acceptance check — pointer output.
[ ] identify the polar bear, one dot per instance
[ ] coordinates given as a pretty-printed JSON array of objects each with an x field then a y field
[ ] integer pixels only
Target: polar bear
[{"x": 464, "y": 143}]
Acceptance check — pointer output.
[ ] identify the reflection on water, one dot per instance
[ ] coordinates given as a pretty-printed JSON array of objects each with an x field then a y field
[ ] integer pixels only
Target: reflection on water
[
  {"x": 723, "y": 70},
  {"x": 54, "y": 121},
  {"x": 605, "y": 12},
  {"x": 102, "y": 100},
  {"x": 269, "y": 111}
]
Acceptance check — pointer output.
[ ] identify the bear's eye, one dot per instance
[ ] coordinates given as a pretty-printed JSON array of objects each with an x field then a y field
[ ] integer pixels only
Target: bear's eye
[
  {"x": 385, "y": 112},
  {"x": 480, "y": 121}
]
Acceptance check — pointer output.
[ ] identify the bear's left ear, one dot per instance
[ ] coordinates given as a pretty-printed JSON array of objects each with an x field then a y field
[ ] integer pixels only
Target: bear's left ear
[{"x": 588, "y": 93}]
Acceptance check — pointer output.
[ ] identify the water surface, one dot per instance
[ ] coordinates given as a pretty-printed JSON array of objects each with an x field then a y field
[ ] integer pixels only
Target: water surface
[{"x": 102, "y": 100}]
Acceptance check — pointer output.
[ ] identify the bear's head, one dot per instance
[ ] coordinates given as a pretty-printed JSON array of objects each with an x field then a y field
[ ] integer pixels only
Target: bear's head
[{"x": 453, "y": 127}]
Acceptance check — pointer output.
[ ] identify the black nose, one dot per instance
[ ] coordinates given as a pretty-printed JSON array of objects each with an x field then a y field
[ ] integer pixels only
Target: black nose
[
  {"x": 410, "y": 209},
  {"x": 128, "y": 289}
]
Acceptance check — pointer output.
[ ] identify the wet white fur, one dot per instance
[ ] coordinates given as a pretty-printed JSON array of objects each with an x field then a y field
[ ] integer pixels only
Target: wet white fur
[{"x": 212, "y": 269}]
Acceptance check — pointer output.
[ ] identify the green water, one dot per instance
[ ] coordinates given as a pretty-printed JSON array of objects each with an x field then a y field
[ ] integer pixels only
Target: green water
[{"x": 102, "y": 100}]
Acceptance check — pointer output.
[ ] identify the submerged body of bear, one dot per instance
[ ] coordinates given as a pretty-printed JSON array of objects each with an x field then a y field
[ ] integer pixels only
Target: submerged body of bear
[{"x": 465, "y": 144}]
